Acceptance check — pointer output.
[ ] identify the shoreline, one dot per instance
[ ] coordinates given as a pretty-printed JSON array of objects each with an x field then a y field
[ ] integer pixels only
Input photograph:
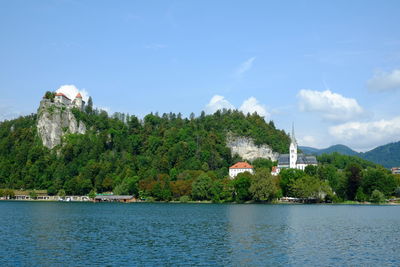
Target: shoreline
[{"x": 352, "y": 203}]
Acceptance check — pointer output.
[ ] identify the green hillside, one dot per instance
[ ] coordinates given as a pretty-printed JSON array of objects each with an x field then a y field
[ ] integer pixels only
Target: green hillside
[
  {"x": 117, "y": 148},
  {"x": 386, "y": 155},
  {"x": 342, "y": 149}
]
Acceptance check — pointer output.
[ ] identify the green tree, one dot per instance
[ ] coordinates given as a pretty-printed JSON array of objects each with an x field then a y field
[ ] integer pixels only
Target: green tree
[
  {"x": 50, "y": 95},
  {"x": 51, "y": 190},
  {"x": 329, "y": 173},
  {"x": 184, "y": 199},
  {"x": 33, "y": 194},
  {"x": 287, "y": 177},
  {"x": 61, "y": 193},
  {"x": 397, "y": 191},
  {"x": 311, "y": 170},
  {"x": 92, "y": 194},
  {"x": 263, "y": 163},
  {"x": 378, "y": 179},
  {"x": 309, "y": 187},
  {"x": 201, "y": 188},
  {"x": 241, "y": 184},
  {"x": 264, "y": 186},
  {"x": 377, "y": 197},
  {"x": 360, "y": 195},
  {"x": 89, "y": 106},
  {"x": 354, "y": 176}
]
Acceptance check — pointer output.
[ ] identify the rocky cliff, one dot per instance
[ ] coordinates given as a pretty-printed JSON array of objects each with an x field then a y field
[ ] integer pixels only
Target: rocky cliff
[
  {"x": 54, "y": 121},
  {"x": 246, "y": 148}
]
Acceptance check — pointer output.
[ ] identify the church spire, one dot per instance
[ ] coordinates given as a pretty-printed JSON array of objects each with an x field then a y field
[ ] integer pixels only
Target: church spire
[
  {"x": 292, "y": 136},
  {"x": 293, "y": 150}
]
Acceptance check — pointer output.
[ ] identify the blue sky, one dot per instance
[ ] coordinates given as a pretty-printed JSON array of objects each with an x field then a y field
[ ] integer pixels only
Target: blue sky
[{"x": 332, "y": 68}]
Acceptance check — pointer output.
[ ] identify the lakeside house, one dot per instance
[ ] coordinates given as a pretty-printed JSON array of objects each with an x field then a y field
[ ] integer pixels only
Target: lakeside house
[
  {"x": 43, "y": 196},
  {"x": 115, "y": 198},
  {"x": 396, "y": 170},
  {"x": 240, "y": 167}
]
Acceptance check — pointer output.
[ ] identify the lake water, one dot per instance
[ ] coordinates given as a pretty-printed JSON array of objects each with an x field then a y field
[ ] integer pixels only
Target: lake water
[{"x": 146, "y": 234}]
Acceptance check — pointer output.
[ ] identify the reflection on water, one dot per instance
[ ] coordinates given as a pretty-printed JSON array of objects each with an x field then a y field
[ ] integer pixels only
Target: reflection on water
[
  {"x": 77, "y": 234},
  {"x": 258, "y": 234}
]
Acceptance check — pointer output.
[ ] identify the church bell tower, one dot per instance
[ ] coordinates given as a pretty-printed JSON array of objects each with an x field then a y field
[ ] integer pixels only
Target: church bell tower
[{"x": 293, "y": 150}]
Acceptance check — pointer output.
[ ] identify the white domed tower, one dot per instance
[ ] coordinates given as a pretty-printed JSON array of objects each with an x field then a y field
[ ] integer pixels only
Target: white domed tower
[
  {"x": 293, "y": 150},
  {"x": 78, "y": 102}
]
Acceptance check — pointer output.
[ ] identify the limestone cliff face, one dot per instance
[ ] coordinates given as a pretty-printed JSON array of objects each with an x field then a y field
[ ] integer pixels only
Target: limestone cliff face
[
  {"x": 54, "y": 121},
  {"x": 246, "y": 148}
]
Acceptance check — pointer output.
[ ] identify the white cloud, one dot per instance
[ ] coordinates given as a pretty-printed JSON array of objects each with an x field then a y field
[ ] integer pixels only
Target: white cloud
[
  {"x": 245, "y": 66},
  {"x": 367, "y": 135},
  {"x": 308, "y": 140},
  {"x": 218, "y": 102},
  {"x": 383, "y": 81},
  {"x": 249, "y": 105},
  {"x": 71, "y": 91},
  {"x": 252, "y": 105},
  {"x": 331, "y": 106}
]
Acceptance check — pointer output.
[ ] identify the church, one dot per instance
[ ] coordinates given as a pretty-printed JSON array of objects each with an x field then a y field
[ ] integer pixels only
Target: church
[{"x": 293, "y": 160}]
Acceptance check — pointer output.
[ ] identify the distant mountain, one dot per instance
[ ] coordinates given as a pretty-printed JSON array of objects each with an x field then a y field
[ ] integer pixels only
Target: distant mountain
[
  {"x": 386, "y": 155},
  {"x": 342, "y": 149}
]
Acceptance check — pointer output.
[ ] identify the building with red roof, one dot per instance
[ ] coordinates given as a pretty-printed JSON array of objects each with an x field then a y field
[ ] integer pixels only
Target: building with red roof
[
  {"x": 61, "y": 98},
  {"x": 78, "y": 102},
  {"x": 240, "y": 167}
]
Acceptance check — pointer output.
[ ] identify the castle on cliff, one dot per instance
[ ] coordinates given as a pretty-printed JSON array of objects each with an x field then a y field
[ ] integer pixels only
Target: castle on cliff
[{"x": 63, "y": 99}]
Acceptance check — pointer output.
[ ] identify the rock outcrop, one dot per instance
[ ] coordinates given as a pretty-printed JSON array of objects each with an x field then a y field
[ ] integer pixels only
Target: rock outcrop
[
  {"x": 54, "y": 121},
  {"x": 245, "y": 148}
]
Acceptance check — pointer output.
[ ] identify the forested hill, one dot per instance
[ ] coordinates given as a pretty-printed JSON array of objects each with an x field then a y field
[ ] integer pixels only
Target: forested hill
[
  {"x": 342, "y": 149},
  {"x": 117, "y": 148},
  {"x": 386, "y": 155}
]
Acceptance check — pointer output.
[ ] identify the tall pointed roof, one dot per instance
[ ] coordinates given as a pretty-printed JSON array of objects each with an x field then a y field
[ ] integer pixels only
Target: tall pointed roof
[
  {"x": 78, "y": 95},
  {"x": 292, "y": 136}
]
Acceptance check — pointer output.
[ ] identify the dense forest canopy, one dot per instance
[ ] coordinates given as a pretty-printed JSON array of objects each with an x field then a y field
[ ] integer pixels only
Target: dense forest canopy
[
  {"x": 123, "y": 146},
  {"x": 169, "y": 157}
]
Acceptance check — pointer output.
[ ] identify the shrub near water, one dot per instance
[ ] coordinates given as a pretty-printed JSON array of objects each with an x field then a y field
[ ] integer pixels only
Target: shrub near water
[
  {"x": 184, "y": 199},
  {"x": 377, "y": 197}
]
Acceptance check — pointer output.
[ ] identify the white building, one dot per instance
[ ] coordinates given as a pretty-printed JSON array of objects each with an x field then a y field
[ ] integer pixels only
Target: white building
[
  {"x": 293, "y": 160},
  {"x": 239, "y": 168},
  {"x": 63, "y": 99}
]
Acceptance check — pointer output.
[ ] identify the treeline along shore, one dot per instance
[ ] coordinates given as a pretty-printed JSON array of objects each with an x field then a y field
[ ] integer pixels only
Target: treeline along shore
[{"x": 171, "y": 158}]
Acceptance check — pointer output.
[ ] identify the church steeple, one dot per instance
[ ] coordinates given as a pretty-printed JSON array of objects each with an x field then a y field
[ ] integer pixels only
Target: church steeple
[
  {"x": 292, "y": 137},
  {"x": 293, "y": 150}
]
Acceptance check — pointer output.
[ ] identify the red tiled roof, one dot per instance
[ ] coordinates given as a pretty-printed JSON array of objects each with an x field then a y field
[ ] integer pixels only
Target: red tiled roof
[
  {"x": 78, "y": 95},
  {"x": 241, "y": 165},
  {"x": 61, "y": 94}
]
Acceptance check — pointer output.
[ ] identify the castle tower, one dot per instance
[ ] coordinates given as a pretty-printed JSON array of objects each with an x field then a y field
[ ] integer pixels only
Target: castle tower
[
  {"x": 293, "y": 150},
  {"x": 78, "y": 102}
]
